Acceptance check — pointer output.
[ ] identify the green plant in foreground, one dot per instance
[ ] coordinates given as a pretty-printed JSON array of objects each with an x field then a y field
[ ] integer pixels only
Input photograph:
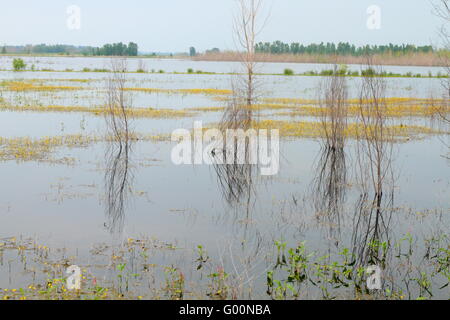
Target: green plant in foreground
[
  {"x": 218, "y": 289},
  {"x": 202, "y": 257},
  {"x": 174, "y": 283}
]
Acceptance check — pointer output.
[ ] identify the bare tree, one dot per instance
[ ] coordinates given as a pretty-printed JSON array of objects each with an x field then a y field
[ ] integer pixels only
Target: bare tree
[
  {"x": 374, "y": 168},
  {"x": 117, "y": 102},
  {"x": 236, "y": 178},
  {"x": 118, "y": 175},
  {"x": 247, "y": 27},
  {"x": 375, "y": 141},
  {"x": 333, "y": 100},
  {"x": 441, "y": 9},
  {"x": 329, "y": 184}
]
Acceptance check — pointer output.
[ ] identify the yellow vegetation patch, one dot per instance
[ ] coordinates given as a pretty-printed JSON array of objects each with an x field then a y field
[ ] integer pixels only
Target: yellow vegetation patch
[
  {"x": 289, "y": 101},
  {"x": 27, "y": 149},
  {"x": 390, "y": 107},
  {"x": 214, "y": 92},
  {"x": 31, "y": 86},
  {"x": 206, "y": 109},
  {"x": 271, "y": 106},
  {"x": 392, "y": 111},
  {"x": 134, "y": 112},
  {"x": 304, "y": 129}
]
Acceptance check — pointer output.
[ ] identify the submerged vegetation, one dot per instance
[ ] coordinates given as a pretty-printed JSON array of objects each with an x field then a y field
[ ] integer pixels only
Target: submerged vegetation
[{"x": 296, "y": 272}]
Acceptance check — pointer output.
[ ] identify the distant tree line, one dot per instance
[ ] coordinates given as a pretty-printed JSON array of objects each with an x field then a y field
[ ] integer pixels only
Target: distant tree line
[
  {"x": 342, "y": 48},
  {"x": 117, "y": 49},
  {"x": 114, "y": 49}
]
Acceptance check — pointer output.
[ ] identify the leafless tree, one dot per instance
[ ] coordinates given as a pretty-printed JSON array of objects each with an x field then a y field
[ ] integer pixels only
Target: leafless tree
[
  {"x": 329, "y": 184},
  {"x": 117, "y": 102},
  {"x": 374, "y": 169},
  {"x": 234, "y": 178},
  {"x": 247, "y": 27},
  {"x": 441, "y": 9},
  {"x": 118, "y": 175},
  {"x": 374, "y": 139},
  {"x": 333, "y": 100}
]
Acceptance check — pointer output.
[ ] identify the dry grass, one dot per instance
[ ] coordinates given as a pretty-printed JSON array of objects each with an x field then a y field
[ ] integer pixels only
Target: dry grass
[{"x": 415, "y": 59}]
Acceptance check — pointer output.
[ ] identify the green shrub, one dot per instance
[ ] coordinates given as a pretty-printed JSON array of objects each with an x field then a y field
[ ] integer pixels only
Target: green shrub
[
  {"x": 326, "y": 72},
  {"x": 368, "y": 72},
  {"x": 19, "y": 64},
  {"x": 342, "y": 70},
  {"x": 288, "y": 72},
  {"x": 190, "y": 70},
  {"x": 311, "y": 73}
]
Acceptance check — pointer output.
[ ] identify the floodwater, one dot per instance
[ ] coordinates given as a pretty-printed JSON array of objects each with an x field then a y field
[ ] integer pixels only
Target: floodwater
[{"x": 74, "y": 206}]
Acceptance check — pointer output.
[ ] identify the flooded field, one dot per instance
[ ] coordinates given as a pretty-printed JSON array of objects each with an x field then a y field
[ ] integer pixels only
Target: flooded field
[{"x": 140, "y": 226}]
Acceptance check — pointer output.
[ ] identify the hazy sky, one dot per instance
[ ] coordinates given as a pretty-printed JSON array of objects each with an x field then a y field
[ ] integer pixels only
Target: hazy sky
[{"x": 175, "y": 25}]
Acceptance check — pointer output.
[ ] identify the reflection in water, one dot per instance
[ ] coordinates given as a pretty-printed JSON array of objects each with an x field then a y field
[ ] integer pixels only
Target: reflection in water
[
  {"x": 371, "y": 226},
  {"x": 330, "y": 186},
  {"x": 118, "y": 180},
  {"x": 374, "y": 173},
  {"x": 236, "y": 182},
  {"x": 235, "y": 177},
  {"x": 117, "y": 175}
]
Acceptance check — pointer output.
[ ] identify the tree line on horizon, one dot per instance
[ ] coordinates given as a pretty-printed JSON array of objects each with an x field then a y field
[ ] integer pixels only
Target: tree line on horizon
[
  {"x": 342, "y": 48},
  {"x": 114, "y": 49}
]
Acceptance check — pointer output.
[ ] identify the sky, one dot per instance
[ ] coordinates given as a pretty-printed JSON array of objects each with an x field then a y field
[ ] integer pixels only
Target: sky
[{"x": 176, "y": 25}]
